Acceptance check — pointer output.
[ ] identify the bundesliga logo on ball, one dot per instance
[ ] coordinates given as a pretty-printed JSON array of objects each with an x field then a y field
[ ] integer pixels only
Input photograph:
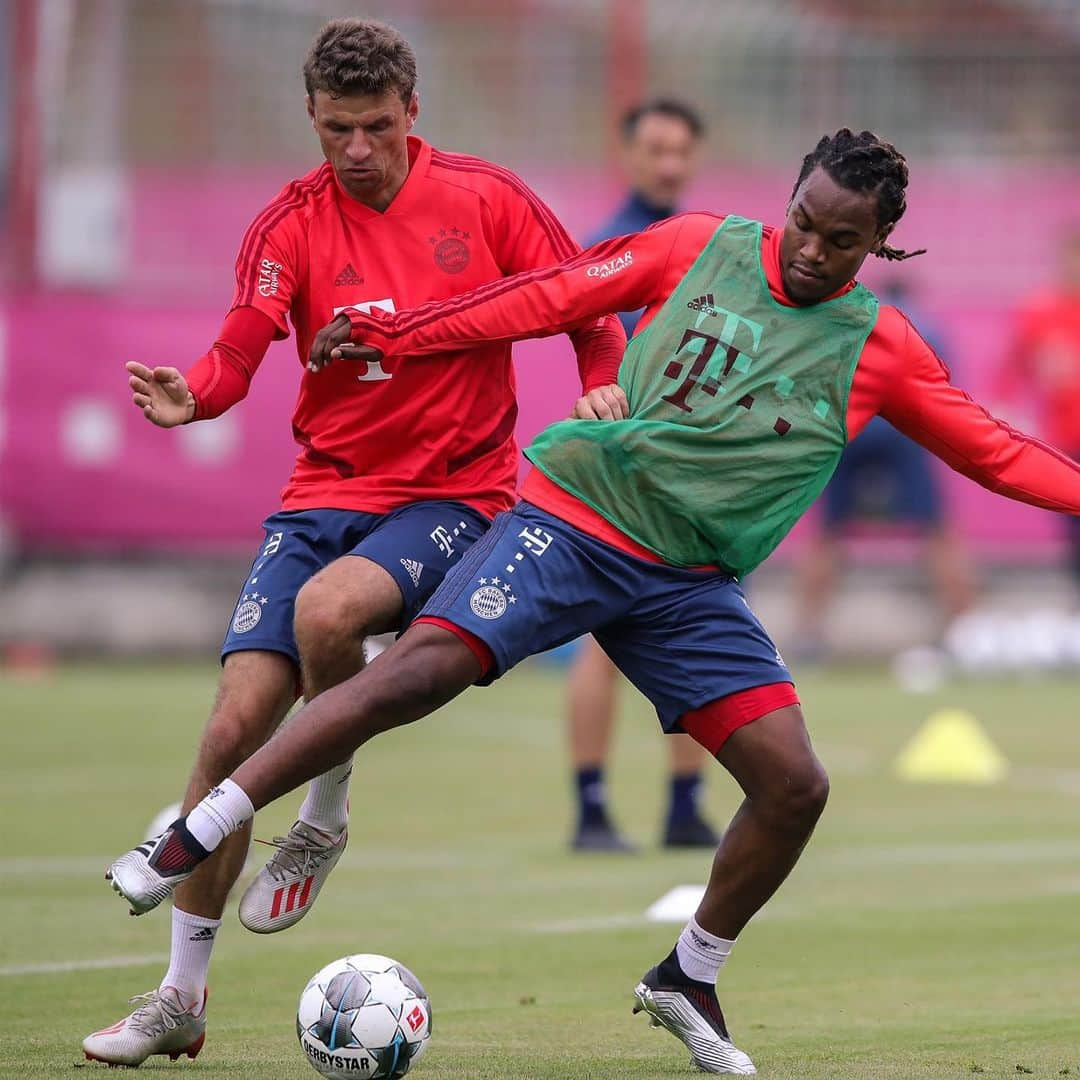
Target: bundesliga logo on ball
[{"x": 364, "y": 1015}]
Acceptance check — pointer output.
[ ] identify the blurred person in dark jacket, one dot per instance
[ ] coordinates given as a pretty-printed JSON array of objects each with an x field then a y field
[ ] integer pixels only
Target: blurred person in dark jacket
[
  {"x": 883, "y": 477},
  {"x": 661, "y": 144}
]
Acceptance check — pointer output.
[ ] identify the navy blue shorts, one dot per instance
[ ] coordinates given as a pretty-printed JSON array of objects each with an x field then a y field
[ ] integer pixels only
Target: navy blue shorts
[
  {"x": 883, "y": 476},
  {"x": 684, "y": 638},
  {"x": 415, "y": 544}
]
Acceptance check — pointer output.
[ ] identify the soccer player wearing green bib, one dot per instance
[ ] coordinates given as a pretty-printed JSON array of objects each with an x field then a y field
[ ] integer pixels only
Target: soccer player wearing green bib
[{"x": 757, "y": 359}]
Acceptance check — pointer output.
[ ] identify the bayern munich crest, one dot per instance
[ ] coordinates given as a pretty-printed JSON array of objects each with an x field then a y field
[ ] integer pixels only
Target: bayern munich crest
[
  {"x": 249, "y": 612},
  {"x": 491, "y": 600},
  {"x": 451, "y": 252}
]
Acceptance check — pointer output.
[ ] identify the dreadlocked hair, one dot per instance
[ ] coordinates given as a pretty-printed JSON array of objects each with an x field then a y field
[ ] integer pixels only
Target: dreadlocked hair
[{"x": 864, "y": 162}]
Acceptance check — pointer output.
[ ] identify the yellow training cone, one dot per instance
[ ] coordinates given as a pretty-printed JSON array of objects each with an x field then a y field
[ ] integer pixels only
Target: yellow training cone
[{"x": 951, "y": 748}]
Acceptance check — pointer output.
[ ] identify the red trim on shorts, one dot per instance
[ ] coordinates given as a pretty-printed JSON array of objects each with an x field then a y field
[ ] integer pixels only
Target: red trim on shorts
[
  {"x": 479, "y": 649},
  {"x": 713, "y": 724}
]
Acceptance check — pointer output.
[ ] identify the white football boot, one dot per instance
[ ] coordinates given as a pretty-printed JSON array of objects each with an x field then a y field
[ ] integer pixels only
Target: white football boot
[
  {"x": 284, "y": 890},
  {"x": 147, "y": 875},
  {"x": 692, "y": 1015},
  {"x": 159, "y": 1025}
]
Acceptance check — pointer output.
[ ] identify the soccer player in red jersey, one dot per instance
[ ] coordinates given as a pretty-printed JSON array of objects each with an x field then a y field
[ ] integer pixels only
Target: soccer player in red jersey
[
  {"x": 1043, "y": 363},
  {"x": 401, "y": 467},
  {"x": 758, "y": 358}
]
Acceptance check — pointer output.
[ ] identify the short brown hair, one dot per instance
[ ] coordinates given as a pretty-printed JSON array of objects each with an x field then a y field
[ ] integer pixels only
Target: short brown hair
[
  {"x": 663, "y": 106},
  {"x": 360, "y": 56}
]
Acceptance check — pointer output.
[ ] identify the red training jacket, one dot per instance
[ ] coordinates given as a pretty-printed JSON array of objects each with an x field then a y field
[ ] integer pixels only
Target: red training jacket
[{"x": 374, "y": 437}]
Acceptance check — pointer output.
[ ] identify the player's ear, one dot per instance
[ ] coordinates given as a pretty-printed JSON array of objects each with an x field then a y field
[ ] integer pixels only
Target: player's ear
[
  {"x": 310, "y": 109},
  {"x": 412, "y": 111}
]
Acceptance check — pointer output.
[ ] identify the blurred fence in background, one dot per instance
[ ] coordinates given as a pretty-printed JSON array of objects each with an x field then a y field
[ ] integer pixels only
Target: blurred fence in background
[
  {"x": 138, "y": 138},
  {"x": 217, "y": 83},
  {"x": 99, "y": 93}
]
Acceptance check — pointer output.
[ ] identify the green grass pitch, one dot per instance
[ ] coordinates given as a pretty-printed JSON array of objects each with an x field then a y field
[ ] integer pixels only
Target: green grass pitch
[{"x": 929, "y": 932}]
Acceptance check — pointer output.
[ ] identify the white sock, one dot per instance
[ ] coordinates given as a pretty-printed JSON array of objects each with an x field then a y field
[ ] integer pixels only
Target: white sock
[
  {"x": 189, "y": 960},
  {"x": 326, "y": 806},
  {"x": 701, "y": 954},
  {"x": 220, "y": 814}
]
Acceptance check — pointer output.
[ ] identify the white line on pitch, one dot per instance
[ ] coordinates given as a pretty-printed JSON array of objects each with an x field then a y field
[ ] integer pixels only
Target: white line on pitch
[
  {"x": 22, "y": 866},
  {"x": 63, "y": 865},
  {"x": 104, "y": 964},
  {"x": 593, "y": 922}
]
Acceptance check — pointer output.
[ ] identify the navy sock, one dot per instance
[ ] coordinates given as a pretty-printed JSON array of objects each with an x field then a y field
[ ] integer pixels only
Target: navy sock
[
  {"x": 592, "y": 796},
  {"x": 190, "y": 844},
  {"x": 672, "y": 974},
  {"x": 684, "y": 796}
]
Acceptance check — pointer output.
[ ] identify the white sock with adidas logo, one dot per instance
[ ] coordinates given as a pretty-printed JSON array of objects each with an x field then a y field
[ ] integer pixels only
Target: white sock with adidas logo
[
  {"x": 189, "y": 958},
  {"x": 225, "y": 808},
  {"x": 701, "y": 954},
  {"x": 326, "y": 806}
]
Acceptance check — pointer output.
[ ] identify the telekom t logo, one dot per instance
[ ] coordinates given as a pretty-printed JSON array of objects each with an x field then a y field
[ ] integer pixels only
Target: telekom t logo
[
  {"x": 702, "y": 346},
  {"x": 373, "y": 368}
]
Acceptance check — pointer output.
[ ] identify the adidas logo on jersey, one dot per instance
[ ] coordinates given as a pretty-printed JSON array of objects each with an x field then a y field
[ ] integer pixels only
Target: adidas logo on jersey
[
  {"x": 704, "y": 303},
  {"x": 348, "y": 276},
  {"x": 415, "y": 570}
]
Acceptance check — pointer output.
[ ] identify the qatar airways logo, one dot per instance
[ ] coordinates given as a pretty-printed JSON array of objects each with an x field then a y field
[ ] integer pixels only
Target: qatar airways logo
[
  {"x": 269, "y": 273},
  {"x": 604, "y": 270}
]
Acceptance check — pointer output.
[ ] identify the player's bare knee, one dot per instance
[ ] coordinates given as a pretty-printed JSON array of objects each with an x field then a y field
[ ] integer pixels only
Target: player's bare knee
[
  {"x": 325, "y": 622},
  {"x": 815, "y": 792},
  {"x": 418, "y": 675},
  {"x": 256, "y": 690},
  {"x": 390, "y": 706},
  {"x": 397, "y": 698},
  {"x": 232, "y": 736},
  {"x": 797, "y": 798}
]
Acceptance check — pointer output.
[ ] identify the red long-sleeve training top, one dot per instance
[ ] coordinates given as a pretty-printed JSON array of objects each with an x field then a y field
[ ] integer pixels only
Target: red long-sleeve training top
[
  {"x": 898, "y": 375},
  {"x": 374, "y": 439}
]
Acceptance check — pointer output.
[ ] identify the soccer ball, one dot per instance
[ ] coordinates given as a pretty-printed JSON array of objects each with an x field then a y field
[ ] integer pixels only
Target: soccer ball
[{"x": 363, "y": 1016}]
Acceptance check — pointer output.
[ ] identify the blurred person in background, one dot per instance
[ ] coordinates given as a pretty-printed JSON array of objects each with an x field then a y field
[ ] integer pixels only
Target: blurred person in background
[
  {"x": 399, "y": 470},
  {"x": 661, "y": 151},
  {"x": 1043, "y": 363},
  {"x": 661, "y": 144},
  {"x": 883, "y": 478}
]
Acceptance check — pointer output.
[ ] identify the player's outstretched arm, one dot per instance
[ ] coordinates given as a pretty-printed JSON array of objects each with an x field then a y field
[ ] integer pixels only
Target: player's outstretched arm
[
  {"x": 925, "y": 406},
  {"x": 621, "y": 274},
  {"x": 161, "y": 394},
  {"x": 221, "y": 378},
  {"x": 527, "y": 235},
  {"x": 332, "y": 343}
]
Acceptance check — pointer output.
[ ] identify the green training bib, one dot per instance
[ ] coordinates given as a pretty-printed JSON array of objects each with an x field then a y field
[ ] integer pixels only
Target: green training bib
[{"x": 738, "y": 411}]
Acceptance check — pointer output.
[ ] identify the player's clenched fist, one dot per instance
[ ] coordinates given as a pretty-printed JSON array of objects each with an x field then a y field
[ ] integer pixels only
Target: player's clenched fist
[
  {"x": 161, "y": 393},
  {"x": 603, "y": 403},
  {"x": 326, "y": 340},
  {"x": 333, "y": 342}
]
